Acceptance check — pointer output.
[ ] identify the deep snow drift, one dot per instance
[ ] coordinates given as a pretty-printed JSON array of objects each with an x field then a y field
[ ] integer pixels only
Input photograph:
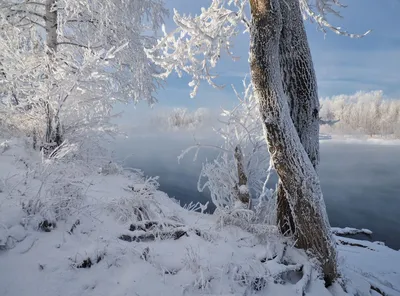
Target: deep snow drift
[{"x": 67, "y": 229}]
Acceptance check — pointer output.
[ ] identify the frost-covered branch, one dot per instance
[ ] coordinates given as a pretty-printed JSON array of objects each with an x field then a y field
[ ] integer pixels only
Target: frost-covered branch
[
  {"x": 197, "y": 43},
  {"x": 323, "y": 8}
]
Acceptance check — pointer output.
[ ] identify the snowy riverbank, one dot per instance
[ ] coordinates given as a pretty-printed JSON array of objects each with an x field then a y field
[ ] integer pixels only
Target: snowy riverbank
[{"x": 109, "y": 232}]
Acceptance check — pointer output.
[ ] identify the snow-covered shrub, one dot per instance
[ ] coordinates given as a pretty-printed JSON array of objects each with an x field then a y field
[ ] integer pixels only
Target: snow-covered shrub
[
  {"x": 64, "y": 199},
  {"x": 53, "y": 186},
  {"x": 56, "y": 199},
  {"x": 50, "y": 188},
  {"x": 242, "y": 134},
  {"x": 138, "y": 206}
]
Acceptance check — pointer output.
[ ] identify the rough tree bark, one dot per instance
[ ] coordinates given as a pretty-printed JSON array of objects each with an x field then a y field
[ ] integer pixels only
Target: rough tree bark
[
  {"x": 290, "y": 159},
  {"x": 300, "y": 88}
]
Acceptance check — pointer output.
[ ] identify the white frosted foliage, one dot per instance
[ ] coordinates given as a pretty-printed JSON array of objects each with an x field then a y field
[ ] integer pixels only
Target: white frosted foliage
[{"x": 65, "y": 64}]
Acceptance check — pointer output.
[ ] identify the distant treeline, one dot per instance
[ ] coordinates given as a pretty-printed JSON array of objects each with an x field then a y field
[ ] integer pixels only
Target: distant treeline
[{"x": 364, "y": 113}]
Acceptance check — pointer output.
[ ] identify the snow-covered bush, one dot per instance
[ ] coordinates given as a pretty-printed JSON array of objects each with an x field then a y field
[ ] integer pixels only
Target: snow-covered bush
[
  {"x": 242, "y": 142},
  {"x": 58, "y": 202},
  {"x": 140, "y": 205},
  {"x": 53, "y": 193},
  {"x": 49, "y": 189}
]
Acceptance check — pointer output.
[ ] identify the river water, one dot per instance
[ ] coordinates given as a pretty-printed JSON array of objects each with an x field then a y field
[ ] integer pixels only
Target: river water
[
  {"x": 361, "y": 182},
  {"x": 361, "y": 186}
]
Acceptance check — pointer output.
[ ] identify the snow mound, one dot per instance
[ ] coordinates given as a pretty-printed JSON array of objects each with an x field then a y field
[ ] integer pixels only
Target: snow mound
[
  {"x": 350, "y": 231},
  {"x": 121, "y": 236}
]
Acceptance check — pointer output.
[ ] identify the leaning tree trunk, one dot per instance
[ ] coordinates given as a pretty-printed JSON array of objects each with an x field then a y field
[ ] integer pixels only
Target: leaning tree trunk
[
  {"x": 290, "y": 159},
  {"x": 300, "y": 88}
]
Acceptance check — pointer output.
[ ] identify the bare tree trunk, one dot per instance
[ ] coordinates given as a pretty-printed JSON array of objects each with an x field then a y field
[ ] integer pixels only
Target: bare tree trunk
[
  {"x": 242, "y": 190},
  {"x": 290, "y": 159},
  {"x": 51, "y": 25},
  {"x": 53, "y": 129},
  {"x": 300, "y": 87}
]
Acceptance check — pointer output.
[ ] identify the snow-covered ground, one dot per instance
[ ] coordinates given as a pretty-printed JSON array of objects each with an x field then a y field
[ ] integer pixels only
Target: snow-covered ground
[{"x": 67, "y": 229}]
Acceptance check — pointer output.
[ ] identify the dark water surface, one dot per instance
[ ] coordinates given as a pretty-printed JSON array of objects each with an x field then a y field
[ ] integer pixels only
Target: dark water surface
[
  {"x": 361, "y": 182},
  {"x": 361, "y": 185}
]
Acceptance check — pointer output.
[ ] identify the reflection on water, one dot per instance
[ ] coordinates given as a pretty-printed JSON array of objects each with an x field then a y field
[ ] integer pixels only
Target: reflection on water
[{"x": 361, "y": 182}]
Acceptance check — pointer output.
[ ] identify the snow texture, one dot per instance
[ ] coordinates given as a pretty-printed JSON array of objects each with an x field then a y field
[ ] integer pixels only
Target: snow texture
[{"x": 124, "y": 237}]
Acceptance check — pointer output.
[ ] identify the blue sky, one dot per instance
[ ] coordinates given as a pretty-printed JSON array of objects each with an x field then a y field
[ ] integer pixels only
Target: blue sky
[{"x": 343, "y": 65}]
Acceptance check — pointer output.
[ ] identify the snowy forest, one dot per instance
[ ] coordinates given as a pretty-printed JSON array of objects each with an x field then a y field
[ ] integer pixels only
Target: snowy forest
[
  {"x": 364, "y": 113},
  {"x": 77, "y": 219}
]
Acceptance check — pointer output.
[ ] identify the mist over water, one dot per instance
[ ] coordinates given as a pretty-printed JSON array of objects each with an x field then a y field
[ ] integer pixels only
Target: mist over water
[{"x": 361, "y": 182}]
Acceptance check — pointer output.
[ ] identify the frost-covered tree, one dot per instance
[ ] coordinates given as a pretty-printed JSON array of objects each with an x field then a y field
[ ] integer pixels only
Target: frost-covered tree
[
  {"x": 237, "y": 175},
  {"x": 65, "y": 63},
  {"x": 300, "y": 197},
  {"x": 284, "y": 85}
]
